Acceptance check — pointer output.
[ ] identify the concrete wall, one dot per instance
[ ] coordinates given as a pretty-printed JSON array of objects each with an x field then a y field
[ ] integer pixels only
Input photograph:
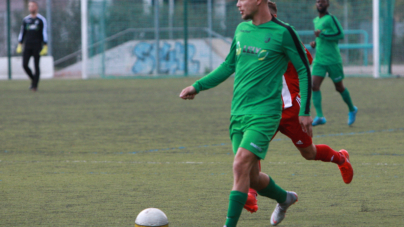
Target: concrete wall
[
  {"x": 138, "y": 58},
  {"x": 46, "y": 67}
]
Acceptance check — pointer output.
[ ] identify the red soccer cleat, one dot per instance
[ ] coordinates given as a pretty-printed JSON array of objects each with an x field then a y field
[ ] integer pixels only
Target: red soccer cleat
[
  {"x": 251, "y": 204},
  {"x": 346, "y": 168}
]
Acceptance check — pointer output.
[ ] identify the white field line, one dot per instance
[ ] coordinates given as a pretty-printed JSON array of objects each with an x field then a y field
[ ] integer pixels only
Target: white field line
[{"x": 186, "y": 163}]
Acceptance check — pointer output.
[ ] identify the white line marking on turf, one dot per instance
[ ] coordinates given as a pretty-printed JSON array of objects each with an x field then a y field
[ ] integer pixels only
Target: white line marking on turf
[{"x": 187, "y": 162}]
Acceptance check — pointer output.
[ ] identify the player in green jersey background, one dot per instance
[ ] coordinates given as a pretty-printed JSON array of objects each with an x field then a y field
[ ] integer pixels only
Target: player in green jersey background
[
  {"x": 259, "y": 55},
  {"x": 328, "y": 59}
]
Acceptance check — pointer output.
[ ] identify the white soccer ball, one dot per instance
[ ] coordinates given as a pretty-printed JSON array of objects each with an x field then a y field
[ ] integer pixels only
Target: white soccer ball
[{"x": 151, "y": 217}]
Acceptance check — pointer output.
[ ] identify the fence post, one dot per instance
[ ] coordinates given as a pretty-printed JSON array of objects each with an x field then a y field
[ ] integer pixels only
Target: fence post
[
  {"x": 9, "y": 39},
  {"x": 84, "y": 38},
  {"x": 104, "y": 9},
  {"x": 390, "y": 11},
  {"x": 49, "y": 20},
  {"x": 170, "y": 18},
  {"x": 376, "y": 39},
  {"x": 210, "y": 35},
  {"x": 346, "y": 27},
  {"x": 157, "y": 34},
  {"x": 185, "y": 37}
]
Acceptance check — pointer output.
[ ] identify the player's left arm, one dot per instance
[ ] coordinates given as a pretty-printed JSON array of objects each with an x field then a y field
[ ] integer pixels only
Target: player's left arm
[
  {"x": 44, "y": 32},
  {"x": 295, "y": 51},
  {"x": 44, "y": 35},
  {"x": 336, "y": 31}
]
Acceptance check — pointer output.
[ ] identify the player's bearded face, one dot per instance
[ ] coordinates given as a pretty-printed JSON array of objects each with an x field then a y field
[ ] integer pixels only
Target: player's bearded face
[
  {"x": 32, "y": 7},
  {"x": 247, "y": 8},
  {"x": 322, "y": 6}
]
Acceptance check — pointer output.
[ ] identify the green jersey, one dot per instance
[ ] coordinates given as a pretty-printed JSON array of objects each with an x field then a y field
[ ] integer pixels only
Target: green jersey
[
  {"x": 327, "y": 50},
  {"x": 259, "y": 56}
]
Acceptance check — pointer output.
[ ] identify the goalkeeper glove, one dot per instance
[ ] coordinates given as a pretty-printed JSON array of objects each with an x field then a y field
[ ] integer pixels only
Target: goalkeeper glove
[
  {"x": 44, "y": 50},
  {"x": 19, "y": 48}
]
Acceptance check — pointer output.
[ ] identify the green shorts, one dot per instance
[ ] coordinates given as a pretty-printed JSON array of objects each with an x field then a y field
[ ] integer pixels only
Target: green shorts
[
  {"x": 335, "y": 71},
  {"x": 253, "y": 132}
]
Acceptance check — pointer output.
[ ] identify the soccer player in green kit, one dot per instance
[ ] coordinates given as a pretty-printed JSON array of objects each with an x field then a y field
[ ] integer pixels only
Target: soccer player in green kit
[
  {"x": 259, "y": 55},
  {"x": 328, "y": 31}
]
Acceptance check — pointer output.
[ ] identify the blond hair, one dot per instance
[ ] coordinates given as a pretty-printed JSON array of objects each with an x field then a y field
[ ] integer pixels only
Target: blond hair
[{"x": 272, "y": 7}]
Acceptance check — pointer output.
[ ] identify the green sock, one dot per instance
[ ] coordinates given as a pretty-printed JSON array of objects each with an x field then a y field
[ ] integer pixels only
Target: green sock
[
  {"x": 347, "y": 99},
  {"x": 236, "y": 204},
  {"x": 273, "y": 191},
  {"x": 317, "y": 103}
]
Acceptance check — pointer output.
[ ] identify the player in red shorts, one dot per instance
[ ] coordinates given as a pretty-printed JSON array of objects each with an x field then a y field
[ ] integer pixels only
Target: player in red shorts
[{"x": 290, "y": 126}]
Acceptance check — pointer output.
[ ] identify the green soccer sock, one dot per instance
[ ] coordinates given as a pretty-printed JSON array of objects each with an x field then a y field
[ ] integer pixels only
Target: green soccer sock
[
  {"x": 236, "y": 204},
  {"x": 273, "y": 191},
  {"x": 317, "y": 103},
  {"x": 347, "y": 99}
]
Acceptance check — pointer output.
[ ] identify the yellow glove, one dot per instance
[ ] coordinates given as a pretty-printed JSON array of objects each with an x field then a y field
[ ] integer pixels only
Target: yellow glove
[
  {"x": 19, "y": 48},
  {"x": 44, "y": 50}
]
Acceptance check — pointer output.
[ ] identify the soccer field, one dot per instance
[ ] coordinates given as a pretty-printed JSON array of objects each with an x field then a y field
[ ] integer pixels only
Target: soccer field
[{"x": 97, "y": 152}]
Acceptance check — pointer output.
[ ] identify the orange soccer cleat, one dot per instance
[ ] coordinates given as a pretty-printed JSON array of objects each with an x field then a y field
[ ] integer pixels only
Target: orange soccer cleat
[
  {"x": 251, "y": 204},
  {"x": 346, "y": 168}
]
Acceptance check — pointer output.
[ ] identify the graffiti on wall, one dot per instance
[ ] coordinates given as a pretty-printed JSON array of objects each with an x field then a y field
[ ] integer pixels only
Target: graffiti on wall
[{"x": 171, "y": 58}]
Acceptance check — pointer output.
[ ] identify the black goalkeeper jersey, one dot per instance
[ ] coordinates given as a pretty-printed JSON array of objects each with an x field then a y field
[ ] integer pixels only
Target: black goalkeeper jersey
[{"x": 33, "y": 31}]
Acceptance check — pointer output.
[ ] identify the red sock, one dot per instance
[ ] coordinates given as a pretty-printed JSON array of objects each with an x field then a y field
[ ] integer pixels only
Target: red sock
[{"x": 326, "y": 154}]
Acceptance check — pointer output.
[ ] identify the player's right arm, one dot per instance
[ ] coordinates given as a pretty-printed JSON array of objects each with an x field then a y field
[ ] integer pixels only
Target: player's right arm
[
  {"x": 21, "y": 36},
  {"x": 313, "y": 44},
  {"x": 220, "y": 74},
  {"x": 217, "y": 76}
]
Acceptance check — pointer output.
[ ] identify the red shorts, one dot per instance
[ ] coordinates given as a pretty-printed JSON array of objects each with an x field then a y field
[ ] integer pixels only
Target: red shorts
[{"x": 290, "y": 126}]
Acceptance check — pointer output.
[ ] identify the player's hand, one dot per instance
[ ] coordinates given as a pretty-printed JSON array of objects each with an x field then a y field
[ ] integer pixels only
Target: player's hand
[
  {"x": 313, "y": 44},
  {"x": 305, "y": 122},
  {"x": 317, "y": 33},
  {"x": 44, "y": 50},
  {"x": 19, "y": 49},
  {"x": 188, "y": 93}
]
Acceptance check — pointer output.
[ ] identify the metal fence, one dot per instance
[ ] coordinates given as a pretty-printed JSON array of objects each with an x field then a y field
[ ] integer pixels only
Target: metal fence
[{"x": 157, "y": 37}]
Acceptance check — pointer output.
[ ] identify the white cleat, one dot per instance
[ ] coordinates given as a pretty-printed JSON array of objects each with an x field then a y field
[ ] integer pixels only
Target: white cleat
[{"x": 280, "y": 210}]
